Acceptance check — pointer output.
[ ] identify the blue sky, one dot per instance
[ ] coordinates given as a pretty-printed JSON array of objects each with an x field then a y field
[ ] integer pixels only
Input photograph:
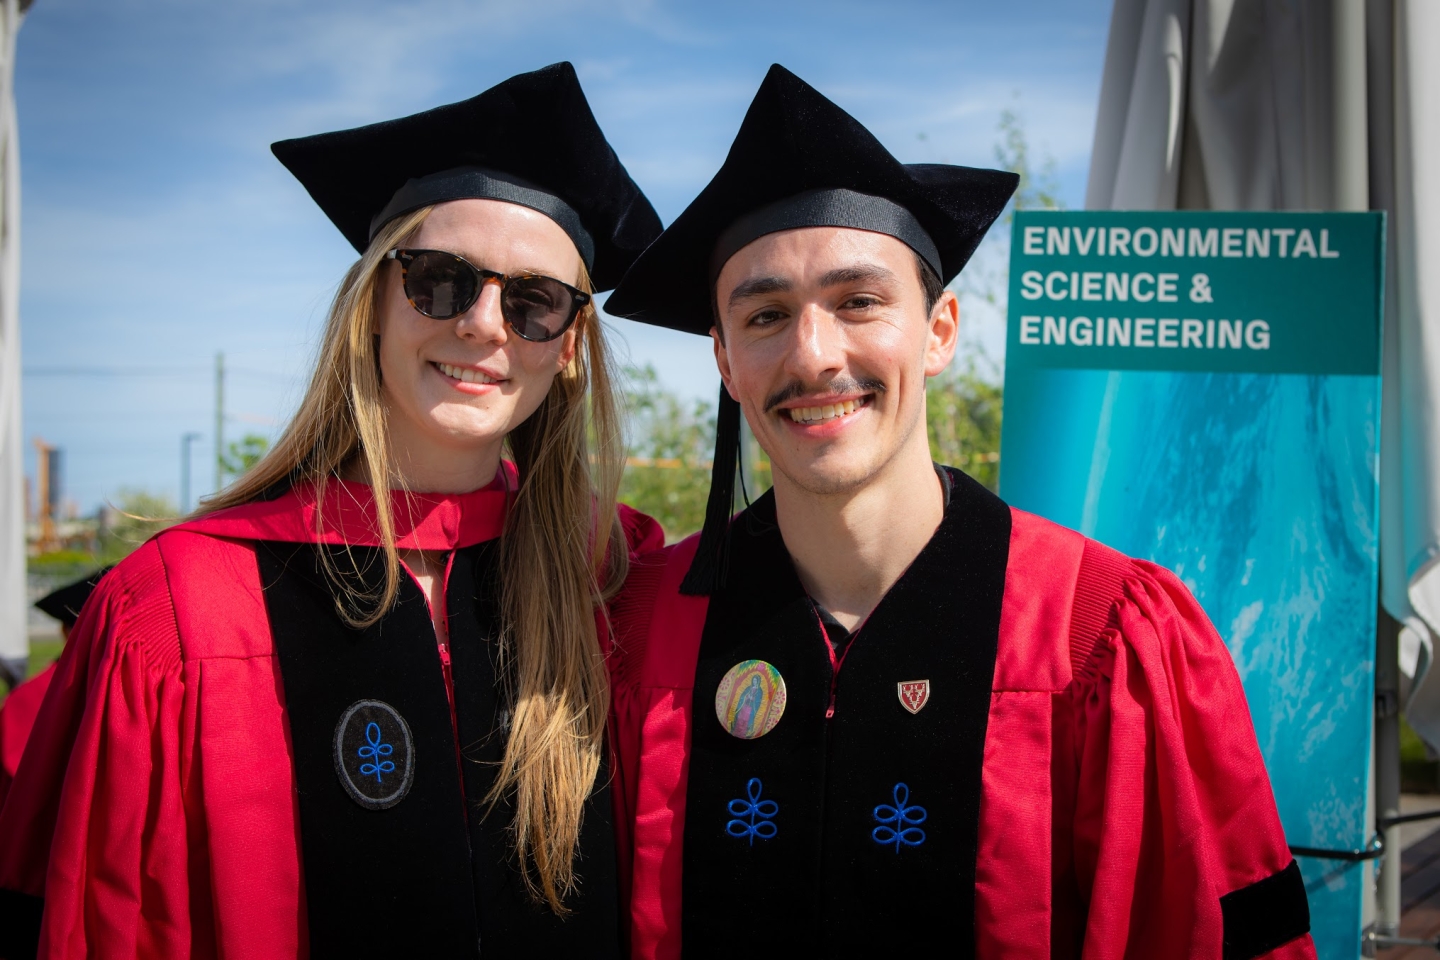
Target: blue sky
[{"x": 157, "y": 228}]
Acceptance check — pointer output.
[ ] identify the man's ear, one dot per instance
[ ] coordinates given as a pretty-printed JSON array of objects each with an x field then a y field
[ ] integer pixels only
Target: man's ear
[
  {"x": 722, "y": 360},
  {"x": 943, "y": 335}
]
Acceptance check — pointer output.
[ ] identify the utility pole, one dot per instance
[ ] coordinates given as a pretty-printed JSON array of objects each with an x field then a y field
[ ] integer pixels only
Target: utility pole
[
  {"x": 219, "y": 421},
  {"x": 185, "y": 440}
]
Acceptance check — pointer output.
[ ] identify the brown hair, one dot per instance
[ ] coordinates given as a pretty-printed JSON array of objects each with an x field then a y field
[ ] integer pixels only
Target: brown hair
[{"x": 562, "y": 551}]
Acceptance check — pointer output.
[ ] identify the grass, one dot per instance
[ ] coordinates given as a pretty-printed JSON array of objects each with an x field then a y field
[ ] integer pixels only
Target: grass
[{"x": 43, "y": 652}]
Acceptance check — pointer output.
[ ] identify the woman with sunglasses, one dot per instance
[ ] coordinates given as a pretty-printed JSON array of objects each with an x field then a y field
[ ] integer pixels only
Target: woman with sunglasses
[{"x": 356, "y": 706}]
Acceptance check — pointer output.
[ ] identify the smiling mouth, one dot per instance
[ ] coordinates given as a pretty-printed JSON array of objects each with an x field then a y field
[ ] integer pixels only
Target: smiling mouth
[
  {"x": 464, "y": 374},
  {"x": 828, "y": 411}
]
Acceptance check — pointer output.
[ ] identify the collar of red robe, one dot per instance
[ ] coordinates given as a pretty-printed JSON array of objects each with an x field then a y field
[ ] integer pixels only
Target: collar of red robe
[{"x": 423, "y": 521}]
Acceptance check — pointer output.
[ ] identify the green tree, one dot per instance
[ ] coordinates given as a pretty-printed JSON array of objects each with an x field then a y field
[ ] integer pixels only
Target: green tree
[
  {"x": 987, "y": 276},
  {"x": 668, "y": 456},
  {"x": 243, "y": 454},
  {"x": 138, "y": 515},
  {"x": 962, "y": 411},
  {"x": 1038, "y": 188}
]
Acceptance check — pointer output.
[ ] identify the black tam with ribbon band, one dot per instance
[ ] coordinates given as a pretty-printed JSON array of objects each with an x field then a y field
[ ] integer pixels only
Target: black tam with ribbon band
[
  {"x": 797, "y": 161},
  {"x": 65, "y": 604},
  {"x": 531, "y": 140}
]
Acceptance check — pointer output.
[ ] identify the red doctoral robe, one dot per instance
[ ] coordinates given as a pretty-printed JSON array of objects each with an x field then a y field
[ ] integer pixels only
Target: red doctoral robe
[
  {"x": 17, "y": 717},
  {"x": 1122, "y": 791},
  {"x": 139, "y": 814}
]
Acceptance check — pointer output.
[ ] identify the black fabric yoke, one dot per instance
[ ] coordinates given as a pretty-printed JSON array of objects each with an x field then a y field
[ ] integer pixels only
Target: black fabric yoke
[
  {"x": 875, "y": 810},
  {"x": 431, "y": 871},
  {"x": 513, "y": 925}
]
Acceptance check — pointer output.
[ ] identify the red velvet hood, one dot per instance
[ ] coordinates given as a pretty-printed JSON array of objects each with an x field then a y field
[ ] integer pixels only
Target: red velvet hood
[{"x": 423, "y": 521}]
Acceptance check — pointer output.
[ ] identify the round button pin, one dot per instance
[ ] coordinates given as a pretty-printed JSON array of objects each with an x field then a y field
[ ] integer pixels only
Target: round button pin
[{"x": 750, "y": 699}]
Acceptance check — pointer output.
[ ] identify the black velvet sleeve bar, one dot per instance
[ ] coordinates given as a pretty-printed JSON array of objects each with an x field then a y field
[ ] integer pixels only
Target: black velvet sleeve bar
[
  {"x": 20, "y": 916},
  {"x": 1267, "y": 914}
]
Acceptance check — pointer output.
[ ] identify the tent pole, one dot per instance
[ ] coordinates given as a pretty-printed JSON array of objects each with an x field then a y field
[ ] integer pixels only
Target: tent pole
[
  {"x": 1350, "y": 128},
  {"x": 1387, "y": 768},
  {"x": 14, "y": 640}
]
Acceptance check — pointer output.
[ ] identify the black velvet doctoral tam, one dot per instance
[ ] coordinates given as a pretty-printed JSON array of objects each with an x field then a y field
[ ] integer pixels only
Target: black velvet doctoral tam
[
  {"x": 64, "y": 604},
  {"x": 794, "y": 141},
  {"x": 531, "y": 139}
]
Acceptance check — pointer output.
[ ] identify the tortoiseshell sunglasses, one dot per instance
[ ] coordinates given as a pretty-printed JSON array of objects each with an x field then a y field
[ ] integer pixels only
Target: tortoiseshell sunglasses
[{"x": 444, "y": 285}]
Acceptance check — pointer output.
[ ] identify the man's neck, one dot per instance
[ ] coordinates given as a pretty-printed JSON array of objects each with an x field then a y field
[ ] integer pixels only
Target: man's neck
[{"x": 849, "y": 549}]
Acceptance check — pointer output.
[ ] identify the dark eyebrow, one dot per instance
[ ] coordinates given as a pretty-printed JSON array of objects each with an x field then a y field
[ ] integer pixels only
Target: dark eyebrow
[
  {"x": 759, "y": 286},
  {"x": 856, "y": 274}
]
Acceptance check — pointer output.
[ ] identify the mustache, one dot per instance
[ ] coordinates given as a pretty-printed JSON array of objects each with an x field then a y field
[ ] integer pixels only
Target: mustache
[{"x": 796, "y": 389}]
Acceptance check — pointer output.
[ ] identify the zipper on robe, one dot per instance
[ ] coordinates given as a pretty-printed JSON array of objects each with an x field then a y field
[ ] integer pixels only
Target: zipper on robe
[
  {"x": 836, "y": 661},
  {"x": 442, "y": 584}
]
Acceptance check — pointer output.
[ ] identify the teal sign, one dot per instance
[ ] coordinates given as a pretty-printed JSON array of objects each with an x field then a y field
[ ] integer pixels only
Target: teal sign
[
  {"x": 1214, "y": 292},
  {"x": 1202, "y": 390}
]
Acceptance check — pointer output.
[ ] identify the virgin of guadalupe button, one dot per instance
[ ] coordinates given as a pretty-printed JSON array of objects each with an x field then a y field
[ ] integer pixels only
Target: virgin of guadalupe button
[
  {"x": 750, "y": 699},
  {"x": 374, "y": 754}
]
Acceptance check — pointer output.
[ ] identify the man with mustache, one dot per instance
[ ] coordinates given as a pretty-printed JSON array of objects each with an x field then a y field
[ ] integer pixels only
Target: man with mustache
[{"x": 974, "y": 730}]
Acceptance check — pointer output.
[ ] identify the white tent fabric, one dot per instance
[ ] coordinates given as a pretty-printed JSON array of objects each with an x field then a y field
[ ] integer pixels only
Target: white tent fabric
[
  {"x": 1321, "y": 105},
  {"x": 1194, "y": 113},
  {"x": 14, "y": 644},
  {"x": 1410, "y": 469}
]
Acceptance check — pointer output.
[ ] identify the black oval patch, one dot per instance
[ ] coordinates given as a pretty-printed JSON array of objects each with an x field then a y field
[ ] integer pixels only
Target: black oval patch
[{"x": 374, "y": 754}]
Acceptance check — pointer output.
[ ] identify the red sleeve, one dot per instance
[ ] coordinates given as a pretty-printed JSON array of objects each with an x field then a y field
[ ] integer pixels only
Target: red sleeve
[
  {"x": 642, "y": 532},
  {"x": 17, "y": 719},
  {"x": 1173, "y": 807},
  {"x": 642, "y": 536},
  {"x": 630, "y": 615},
  {"x": 624, "y": 625},
  {"x": 95, "y": 821},
  {"x": 657, "y": 640}
]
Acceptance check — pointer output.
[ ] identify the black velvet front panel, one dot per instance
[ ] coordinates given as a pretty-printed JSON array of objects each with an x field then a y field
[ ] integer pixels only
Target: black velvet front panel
[
  {"x": 876, "y": 809},
  {"x": 435, "y": 871},
  {"x": 761, "y": 891},
  {"x": 378, "y": 882},
  {"x": 511, "y": 924}
]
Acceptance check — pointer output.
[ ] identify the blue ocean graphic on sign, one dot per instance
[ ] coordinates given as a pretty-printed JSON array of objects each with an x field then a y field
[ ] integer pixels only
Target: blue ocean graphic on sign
[{"x": 1205, "y": 394}]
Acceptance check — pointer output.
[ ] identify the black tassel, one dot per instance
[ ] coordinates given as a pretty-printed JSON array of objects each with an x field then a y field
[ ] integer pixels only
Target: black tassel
[{"x": 707, "y": 571}]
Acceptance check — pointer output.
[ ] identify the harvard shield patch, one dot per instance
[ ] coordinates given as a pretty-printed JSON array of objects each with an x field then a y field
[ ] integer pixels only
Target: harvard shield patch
[{"x": 913, "y": 694}]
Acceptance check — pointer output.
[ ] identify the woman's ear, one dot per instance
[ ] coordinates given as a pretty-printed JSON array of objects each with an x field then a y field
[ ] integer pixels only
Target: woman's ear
[{"x": 567, "y": 350}]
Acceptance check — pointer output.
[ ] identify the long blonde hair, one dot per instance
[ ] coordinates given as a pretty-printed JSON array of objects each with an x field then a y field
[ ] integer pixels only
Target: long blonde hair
[{"x": 562, "y": 551}]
